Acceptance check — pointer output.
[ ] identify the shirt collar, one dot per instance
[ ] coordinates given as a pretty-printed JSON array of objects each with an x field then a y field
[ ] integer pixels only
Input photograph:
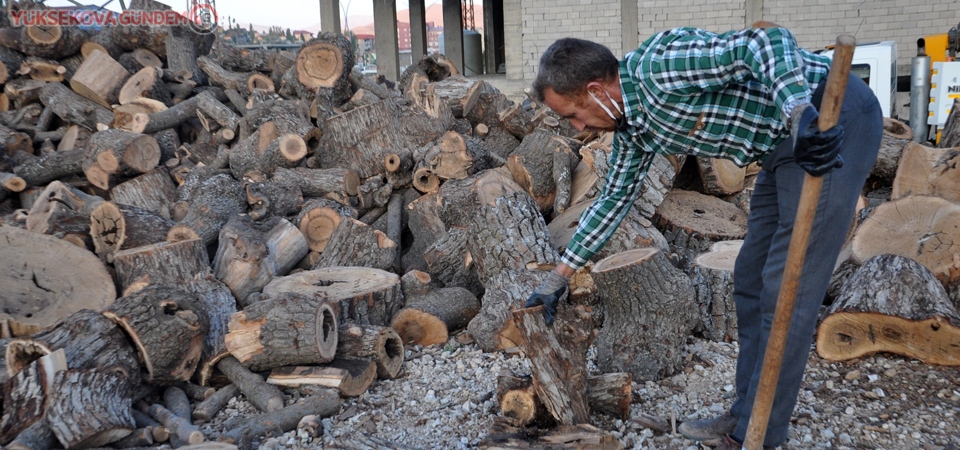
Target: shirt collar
[{"x": 632, "y": 109}]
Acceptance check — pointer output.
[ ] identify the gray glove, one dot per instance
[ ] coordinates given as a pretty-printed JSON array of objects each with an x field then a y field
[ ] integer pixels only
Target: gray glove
[{"x": 548, "y": 294}]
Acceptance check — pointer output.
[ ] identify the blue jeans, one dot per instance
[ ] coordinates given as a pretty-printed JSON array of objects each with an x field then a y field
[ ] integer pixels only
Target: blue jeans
[{"x": 759, "y": 267}]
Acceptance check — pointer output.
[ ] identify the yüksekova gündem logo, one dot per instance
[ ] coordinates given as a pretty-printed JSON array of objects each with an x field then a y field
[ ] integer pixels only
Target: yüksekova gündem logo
[{"x": 200, "y": 16}]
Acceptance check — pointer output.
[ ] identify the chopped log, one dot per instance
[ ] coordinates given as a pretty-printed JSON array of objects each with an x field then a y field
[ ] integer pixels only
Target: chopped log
[
  {"x": 215, "y": 201},
  {"x": 503, "y": 436},
  {"x": 182, "y": 55},
  {"x": 35, "y": 437},
  {"x": 175, "y": 400},
  {"x": 720, "y": 176},
  {"x": 23, "y": 92},
  {"x": 167, "y": 325},
  {"x": 214, "y": 109},
  {"x": 4, "y": 102},
  {"x": 351, "y": 376},
  {"x": 195, "y": 391},
  {"x": 950, "y": 135},
  {"x": 140, "y": 437},
  {"x": 250, "y": 253},
  {"x": 244, "y": 83},
  {"x": 319, "y": 218},
  {"x": 283, "y": 330},
  {"x": 324, "y": 61},
  {"x": 486, "y": 110},
  {"x": 153, "y": 191},
  {"x": 449, "y": 262},
  {"x": 11, "y": 183},
  {"x": 173, "y": 116},
  {"x": 179, "y": 427},
  {"x": 692, "y": 221},
  {"x": 531, "y": 165},
  {"x": 455, "y": 156},
  {"x": 362, "y": 82},
  {"x": 89, "y": 408},
  {"x": 654, "y": 321},
  {"x": 517, "y": 120},
  {"x": 634, "y": 232},
  {"x": 163, "y": 263},
  {"x": 285, "y": 151},
  {"x": 353, "y": 243},
  {"x": 40, "y": 69},
  {"x": 143, "y": 420},
  {"x": 15, "y": 141},
  {"x": 421, "y": 92},
  {"x": 896, "y": 136},
  {"x": 493, "y": 327},
  {"x": 262, "y": 395},
  {"x": 460, "y": 92},
  {"x": 99, "y": 78},
  {"x": 359, "y": 295},
  {"x": 45, "y": 268},
  {"x": 139, "y": 59},
  {"x": 426, "y": 181},
  {"x": 27, "y": 393},
  {"x": 11, "y": 60},
  {"x": 558, "y": 359},
  {"x": 49, "y": 41},
  {"x": 925, "y": 170},
  {"x": 144, "y": 84},
  {"x": 210, "y": 406},
  {"x": 509, "y": 235},
  {"x": 218, "y": 305},
  {"x": 608, "y": 394},
  {"x": 61, "y": 209},
  {"x": 431, "y": 318},
  {"x": 278, "y": 422},
  {"x": 712, "y": 274},
  {"x": 72, "y": 108},
  {"x": 435, "y": 67},
  {"x": 891, "y": 304},
  {"x": 117, "y": 152},
  {"x": 458, "y": 200},
  {"x": 180, "y": 90},
  {"x": 116, "y": 227},
  {"x": 656, "y": 184},
  {"x": 243, "y": 59},
  {"x": 277, "y": 197},
  {"x": 381, "y": 344}
]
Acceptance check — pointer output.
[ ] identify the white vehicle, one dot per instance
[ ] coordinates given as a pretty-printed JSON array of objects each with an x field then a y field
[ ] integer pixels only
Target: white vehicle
[{"x": 876, "y": 64}]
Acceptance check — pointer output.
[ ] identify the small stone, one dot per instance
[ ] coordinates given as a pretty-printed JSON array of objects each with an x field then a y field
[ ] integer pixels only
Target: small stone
[
  {"x": 728, "y": 388},
  {"x": 845, "y": 439},
  {"x": 828, "y": 434},
  {"x": 871, "y": 395},
  {"x": 873, "y": 377},
  {"x": 848, "y": 411},
  {"x": 852, "y": 375},
  {"x": 890, "y": 373},
  {"x": 879, "y": 392},
  {"x": 464, "y": 440},
  {"x": 829, "y": 384}
]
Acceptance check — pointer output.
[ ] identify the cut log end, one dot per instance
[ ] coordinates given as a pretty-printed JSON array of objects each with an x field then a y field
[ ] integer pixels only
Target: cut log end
[
  {"x": 317, "y": 226},
  {"x": 180, "y": 233},
  {"x": 624, "y": 259},
  {"x": 260, "y": 82},
  {"x": 418, "y": 327},
  {"x": 319, "y": 65},
  {"x": 844, "y": 336},
  {"x": 292, "y": 147},
  {"x": 424, "y": 180}
]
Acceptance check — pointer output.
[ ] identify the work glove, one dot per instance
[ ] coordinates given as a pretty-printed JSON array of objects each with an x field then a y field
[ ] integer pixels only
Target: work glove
[
  {"x": 548, "y": 294},
  {"x": 817, "y": 152}
]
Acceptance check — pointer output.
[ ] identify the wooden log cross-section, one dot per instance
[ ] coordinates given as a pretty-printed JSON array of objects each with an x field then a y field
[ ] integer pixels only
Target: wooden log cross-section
[
  {"x": 692, "y": 221},
  {"x": 609, "y": 394},
  {"x": 116, "y": 227},
  {"x": 163, "y": 263},
  {"x": 927, "y": 171},
  {"x": 430, "y": 318},
  {"x": 382, "y": 344},
  {"x": 351, "y": 376}
]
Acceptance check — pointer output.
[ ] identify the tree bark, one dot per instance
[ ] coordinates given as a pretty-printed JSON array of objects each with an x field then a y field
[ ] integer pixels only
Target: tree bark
[
  {"x": 72, "y": 108},
  {"x": 712, "y": 275},
  {"x": 359, "y": 295},
  {"x": 208, "y": 408},
  {"x": 117, "y": 227},
  {"x": 180, "y": 428},
  {"x": 335, "y": 184},
  {"x": 493, "y": 328},
  {"x": 62, "y": 209},
  {"x": 262, "y": 395},
  {"x": 455, "y": 156},
  {"x": 218, "y": 305},
  {"x": 460, "y": 92},
  {"x": 153, "y": 191},
  {"x": 279, "y": 422},
  {"x": 950, "y": 136},
  {"x": 114, "y": 152},
  {"x": 426, "y": 227},
  {"x": 353, "y": 243},
  {"x": 163, "y": 263},
  {"x": 381, "y": 344},
  {"x": 449, "y": 262},
  {"x": 532, "y": 165},
  {"x": 351, "y": 376},
  {"x": 896, "y": 136},
  {"x": 608, "y": 394},
  {"x": 47, "y": 42},
  {"x": 924, "y": 170},
  {"x": 35, "y": 437},
  {"x": 215, "y": 201},
  {"x": 89, "y": 408},
  {"x": 27, "y": 393},
  {"x": 430, "y": 318},
  {"x": 182, "y": 55}
]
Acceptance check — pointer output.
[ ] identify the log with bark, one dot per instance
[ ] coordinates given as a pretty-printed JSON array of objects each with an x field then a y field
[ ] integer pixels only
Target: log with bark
[
  {"x": 350, "y": 376},
  {"x": 358, "y": 294},
  {"x": 61, "y": 209},
  {"x": 950, "y": 135},
  {"x": 214, "y": 202},
  {"x": 243, "y": 82},
  {"x": 455, "y": 156},
  {"x": 209, "y": 407},
  {"x": 896, "y": 136},
  {"x": 46, "y": 267},
  {"x": 264, "y": 396},
  {"x": 319, "y": 218},
  {"x": 275, "y": 423},
  {"x": 27, "y": 393},
  {"x": 99, "y": 78},
  {"x": 353, "y": 243},
  {"x": 652, "y": 323},
  {"x": 608, "y": 394},
  {"x": 218, "y": 305},
  {"x": 430, "y": 318},
  {"x": 692, "y": 222},
  {"x": 891, "y": 304},
  {"x": 458, "y": 200},
  {"x": 712, "y": 275},
  {"x": 145, "y": 84},
  {"x": 137, "y": 60},
  {"x": 163, "y": 263},
  {"x": 42, "y": 69},
  {"x": 381, "y": 344},
  {"x": 73, "y": 108},
  {"x": 182, "y": 55},
  {"x": 48, "y": 42},
  {"x": 153, "y": 191},
  {"x": 460, "y": 92},
  {"x": 116, "y": 227},
  {"x": 926, "y": 170},
  {"x": 450, "y": 263},
  {"x": 493, "y": 327},
  {"x": 89, "y": 408},
  {"x": 182, "y": 431},
  {"x": 113, "y": 153},
  {"x": 421, "y": 92},
  {"x": 720, "y": 176},
  {"x": 635, "y": 231},
  {"x": 533, "y": 165}
]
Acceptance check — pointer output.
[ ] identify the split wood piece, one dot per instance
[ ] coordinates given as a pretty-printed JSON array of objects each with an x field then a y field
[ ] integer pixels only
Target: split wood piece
[
  {"x": 214, "y": 202},
  {"x": 692, "y": 221},
  {"x": 517, "y": 120},
  {"x": 422, "y": 93},
  {"x": 458, "y": 200},
  {"x": 244, "y": 83},
  {"x": 242, "y": 59},
  {"x": 137, "y": 59},
  {"x": 27, "y": 394},
  {"x": 140, "y": 437},
  {"x": 351, "y": 144},
  {"x": 58, "y": 267},
  {"x": 99, "y": 78},
  {"x": 223, "y": 116},
  {"x": 950, "y": 135},
  {"x": 460, "y": 92},
  {"x": 180, "y": 428},
  {"x": 712, "y": 275},
  {"x": 558, "y": 359},
  {"x": 891, "y": 304},
  {"x": 353, "y": 243},
  {"x": 182, "y": 55},
  {"x": 608, "y": 394},
  {"x": 277, "y": 197},
  {"x": 35, "y": 437},
  {"x": 532, "y": 165},
  {"x": 143, "y": 420},
  {"x": 503, "y": 436},
  {"x": 89, "y": 408},
  {"x": 209, "y": 407},
  {"x": 153, "y": 191},
  {"x": 381, "y": 344},
  {"x": 48, "y": 42},
  {"x": 455, "y": 156},
  {"x": 283, "y": 420},
  {"x": 115, "y": 152},
  {"x": 116, "y": 227},
  {"x": 62, "y": 209},
  {"x": 720, "y": 176},
  {"x": 4, "y": 102},
  {"x": 509, "y": 235},
  {"x": 173, "y": 116},
  {"x": 319, "y": 218},
  {"x": 262, "y": 395},
  {"x": 362, "y": 82},
  {"x": 896, "y": 136},
  {"x": 351, "y": 376},
  {"x": 431, "y": 318},
  {"x": 634, "y": 232},
  {"x": 250, "y": 253},
  {"x": 358, "y": 294},
  {"x": 40, "y": 69},
  {"x": 651, "y": 324},
  {"x": 88, "y": 341},
  {"x": 146, "y": 83},
  {"x": 195, "y": 391},
  {"x": 324, "y": 61},
  {"x": 925, "y": 170},
  {"x": 425, "y": 225},
  {"x": 918, "y": 227},
  {"x": 163, "y": 263},
  {"x": 493, "y": 327},
  {"x": 486, "y": 110},
  {"x": 449, "y": 262},
  {"x": 288, "y": 329},
  {"x": 218, "y": 304},
  {"x": 435, "y": 67},
  {"x": 72, "y": 108},
  {"x": 167, "y": 325}
]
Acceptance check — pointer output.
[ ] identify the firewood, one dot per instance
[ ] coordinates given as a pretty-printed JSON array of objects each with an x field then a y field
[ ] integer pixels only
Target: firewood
[
  {"x": 216, "y": 201},
  {"x": 262, "y": 395},
  {"x": 361, "y": 81},
  {"x": 115, "y": 152},
  {"x": 431, "y": 318},
  {"x": 250, "y": 253},
  {"x": 153, "y": 191},
  {"x": 924, "y": 170},
  {"x": 144, "y": 84},
  {"x": 422, "y": 93},
  {"x": 896, "y": 136},
  {"x": 139, "y": 59},
  {"x": 210, "y": 406},
  {"x": 558, "y": 360},
  {"x": 182, "y": 55},
  {"x": 950, "y": 135},
  {"x": 381, "y": 344},
  {"x": 244, "y": 83},
  {"x": 362, "y": 97},
  {"x": 509, "y": 235},
  {"x": 175, "y": 115},
  {"x": 503, "y": 436},
  {"x": 214, "y": 109},
  {"x": 4, "y": 102},
  {"x": 140, "y": 437},
  {"x": 324, "y": 61},
  {"x": 486, "y": 110},
  {"x": 27, "y": 393},
  {"x": 563, "y": 162},
  {"x": 351, "y": 376},
  {"x": 15, "y": 141},
  {"x": 57, "y": 266},
  {"x": 720, "y": 176},
  {"x": 167, "y": 325},
  {"x": 278, "y": 197},
  {"x": 116, "y": 227},
  {"x": 218, "y": 305},
  {"x": 461, "y": 93},
  {"x": 163, "y": 263},
  {"x": 891, "y": 304},
  {"x": 99, "y": 78},
  {"x": 493, "y": 327},
  {"x": 287, "y": 329},
  {"x": 11, "y": 182},
  {"x": 89, "y": 408},
  {"x": 353, "y": 243},
  {"x": 11, "y": 60},
  {"x": 608, "y": 394},
  {"x": 655, "y": 321},
  {"x": 426, "y": 227},
  {"x": 425, "y": 180},
  {"x": 48, "y": 42},
  {"x": 176, "y": 401},
  {"x": 435, "y": 67},
  {"x": 455, "y": 156},
  {"x": 72, "y": 108},
  {"x": 450, "y": 263},
  {"x": 634, "y": 231},
  {"x": 143, "y": 420},
  {"x": 241, "y": 59},
  {"x": 360, "y": 295},
  {"x": 712, "y": 274},
  {"x": 195, "y": 391},
  {"x": 283, "y": 420},
  {"x": 101, "y": 41},
  {"x": 179, "y": 427},
  {"x": 532, "y": 165},
  {"x": 517, "y": 120},
  {"x": 180, "y": 90},
  {"x": 40, "y": 69},
  {"x": 319, "y": 218},
  {"x": 692, "y": 221},
  {"x": 35, "y": 437},
  {"x": 374, "y": 193}
]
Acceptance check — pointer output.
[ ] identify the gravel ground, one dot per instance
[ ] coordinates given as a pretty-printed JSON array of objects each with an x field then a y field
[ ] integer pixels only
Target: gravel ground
[{"x": 445, "y": 400}]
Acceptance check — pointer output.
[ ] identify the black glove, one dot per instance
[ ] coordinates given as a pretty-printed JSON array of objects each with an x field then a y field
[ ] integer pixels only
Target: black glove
[
  {"x": 548, "y": 294},
  {"x": 817, "y": 152}
]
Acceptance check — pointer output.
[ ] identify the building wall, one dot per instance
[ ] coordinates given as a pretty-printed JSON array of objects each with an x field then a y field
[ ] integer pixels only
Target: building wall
[{"x": 545, "y": 21}]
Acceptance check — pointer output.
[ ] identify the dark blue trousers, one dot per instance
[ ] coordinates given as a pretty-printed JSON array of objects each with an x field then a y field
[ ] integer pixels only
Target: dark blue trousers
[{"x": 759, "y": 267}]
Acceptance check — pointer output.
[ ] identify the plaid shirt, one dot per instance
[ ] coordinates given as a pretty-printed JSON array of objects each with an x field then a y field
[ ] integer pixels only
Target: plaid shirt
[{"x": 695, "y": 92}]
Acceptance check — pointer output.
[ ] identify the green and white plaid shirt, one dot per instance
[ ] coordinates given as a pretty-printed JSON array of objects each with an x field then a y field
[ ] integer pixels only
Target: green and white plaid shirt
[{"x": 700, "y": 93}]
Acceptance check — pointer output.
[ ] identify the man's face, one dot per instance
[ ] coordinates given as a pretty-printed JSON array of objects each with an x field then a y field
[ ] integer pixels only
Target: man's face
[{"x": 580, "y": 109}]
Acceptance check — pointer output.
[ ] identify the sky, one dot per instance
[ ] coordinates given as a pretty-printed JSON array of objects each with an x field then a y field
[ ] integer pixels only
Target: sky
[{"x": 294, "y": 14}]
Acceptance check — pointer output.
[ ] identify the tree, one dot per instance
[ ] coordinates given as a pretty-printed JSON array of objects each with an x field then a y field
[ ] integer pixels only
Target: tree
[{"x": 289, "y": 36}]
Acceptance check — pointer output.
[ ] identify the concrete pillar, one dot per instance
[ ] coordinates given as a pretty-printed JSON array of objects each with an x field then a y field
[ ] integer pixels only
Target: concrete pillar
[
  {"x": 630, "y": 25},
  {"x": 453, "y": 32},
  {"x": 385, "y": 31},
  {"x": 330, "y": 16},
  {"x": 513, "y": 38},
  {"x": 418, "y": 29},
  {"x": 490, "y": 41},
  {"x": 753, "y": 12}
]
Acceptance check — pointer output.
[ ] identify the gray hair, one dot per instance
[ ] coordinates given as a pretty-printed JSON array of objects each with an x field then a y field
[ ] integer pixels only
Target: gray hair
[{"x": 570, "y": 63}]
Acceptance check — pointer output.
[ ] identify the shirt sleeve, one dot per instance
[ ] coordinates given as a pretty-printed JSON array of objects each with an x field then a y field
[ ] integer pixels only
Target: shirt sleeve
[
  {"x": 629, "y": 165},
  {"x": 688, "y": 61}
]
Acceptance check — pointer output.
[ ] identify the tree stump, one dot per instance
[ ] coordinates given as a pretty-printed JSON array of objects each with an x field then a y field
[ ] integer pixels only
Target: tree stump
[
  {"x": 41, "y": 271},
  {"x": 493, "y": 327},
  {"x": 215, "y": 201},
  {"x": 891, "y": 304},
  {"x": 430, "y": 318},
  {"x": 89, "y": 408},
  {"x": 351, "y": 376},
  {"x": 353, "y": 243},
  {"x": 359, "y": 295},
  {"x": 655, "y": 311},
  {"x": 289, "y": 329},
  {"x": 153, "y": 191},
  {"x": 163, "y": 263},
  {"x": 250, "y": 253},
  {"x": 692, "y": 222},
  {"x": 634, "y": 232},
  {"x": 720, "y": 176},
  {"x": 167, "y": 325},
  {"x": 927, "y": 171},
  {"x": 115, "y": 227},
  {"x": 381, "y": 344},
  {"x": 712, "y": 275}
]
